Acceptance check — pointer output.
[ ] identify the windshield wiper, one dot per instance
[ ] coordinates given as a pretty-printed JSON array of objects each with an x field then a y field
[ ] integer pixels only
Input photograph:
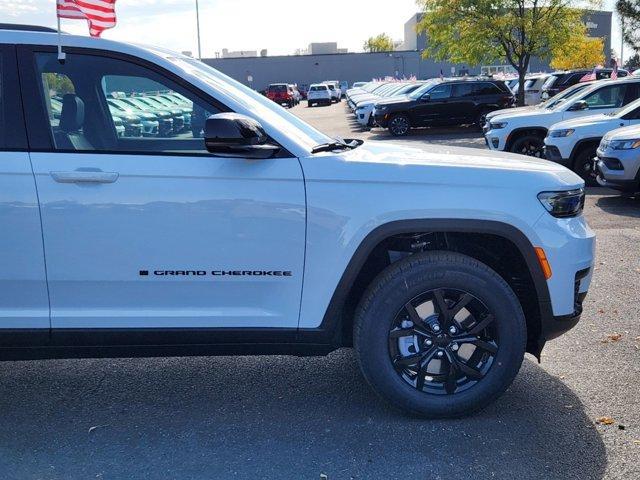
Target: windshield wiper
[{"x": 337, "y": 145}]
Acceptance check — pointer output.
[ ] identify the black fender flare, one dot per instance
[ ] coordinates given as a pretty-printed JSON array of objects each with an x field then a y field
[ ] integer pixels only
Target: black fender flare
[
  {"x": 332, "y": 321},
  {"x": 579, "y": 144},
  {"x": 518, "y": 131}
]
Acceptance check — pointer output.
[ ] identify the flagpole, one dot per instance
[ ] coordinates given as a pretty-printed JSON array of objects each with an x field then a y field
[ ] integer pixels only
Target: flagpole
[
  {"x": 198, "y": 29},
  {"x": 61, "y": 55}
]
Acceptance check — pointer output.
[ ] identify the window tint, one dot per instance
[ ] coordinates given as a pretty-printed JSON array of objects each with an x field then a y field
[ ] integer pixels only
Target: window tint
[
  {"x": 607, "y": 97},
  {"x": 277, "y": 88},
  {"x": 3, "y": 130},
  {"x": 463, "y": 90},
  {"x": 103, "y": 104},
  {"x": 439, "y": 92},
  {"x": 484, "y": 88}
]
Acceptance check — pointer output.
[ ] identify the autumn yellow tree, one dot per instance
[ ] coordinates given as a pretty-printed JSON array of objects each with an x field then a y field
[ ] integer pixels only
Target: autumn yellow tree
[
  {"x": 379, "y": 43},
  {"x": 581, "y": 52}
]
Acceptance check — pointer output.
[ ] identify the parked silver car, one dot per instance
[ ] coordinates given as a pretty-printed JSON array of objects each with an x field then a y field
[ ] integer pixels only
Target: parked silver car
[{"x": 617, "y": 164}]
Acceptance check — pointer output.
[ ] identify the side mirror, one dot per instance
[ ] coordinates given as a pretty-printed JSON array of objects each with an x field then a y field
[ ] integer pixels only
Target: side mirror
[
  {"x": 426, "y": 97},
  {"x": 579, "y": 105},
  {"x": 235, "y": 135}
]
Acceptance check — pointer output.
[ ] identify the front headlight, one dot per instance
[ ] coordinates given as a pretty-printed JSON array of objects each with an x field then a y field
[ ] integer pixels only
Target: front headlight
[
  {"x": 625, "y": 144},
  {"x": 497, "y": 125},
  {"x": 564, "y": 132},
  {"x": 563, "y": 204}
]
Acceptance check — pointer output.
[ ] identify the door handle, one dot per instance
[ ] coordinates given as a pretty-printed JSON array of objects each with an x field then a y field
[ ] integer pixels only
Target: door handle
[{"x": 80, "y": 176}]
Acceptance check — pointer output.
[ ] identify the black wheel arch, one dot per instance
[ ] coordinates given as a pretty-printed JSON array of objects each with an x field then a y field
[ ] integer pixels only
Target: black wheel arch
[
  {"x": 522, "y": 131},
  {"x": 337, "y": 321},
  {"x": 583, "y": 143}
]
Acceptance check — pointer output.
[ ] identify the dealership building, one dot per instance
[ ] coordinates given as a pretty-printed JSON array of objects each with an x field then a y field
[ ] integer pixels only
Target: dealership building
[{"x": 406, "y": 61}]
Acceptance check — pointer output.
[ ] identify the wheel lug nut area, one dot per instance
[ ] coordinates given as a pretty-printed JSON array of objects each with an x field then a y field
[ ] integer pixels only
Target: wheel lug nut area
[{"x": 440, "y": 353}]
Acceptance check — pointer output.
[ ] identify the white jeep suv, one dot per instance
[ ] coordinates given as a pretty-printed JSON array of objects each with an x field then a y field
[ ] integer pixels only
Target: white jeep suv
[
  {"x": 524, "y": 131},
  {"x": 442, "y": 266},
  {"x": 573, "y": 143}
]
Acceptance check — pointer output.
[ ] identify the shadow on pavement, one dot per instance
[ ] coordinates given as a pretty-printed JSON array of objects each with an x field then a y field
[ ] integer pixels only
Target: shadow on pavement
[
  {"x": 620, "y": 205},
  {"x": 274, "y": 418}
]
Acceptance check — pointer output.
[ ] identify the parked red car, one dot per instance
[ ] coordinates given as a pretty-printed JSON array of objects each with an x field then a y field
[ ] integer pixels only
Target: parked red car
[{"x": 282, "y": 94}]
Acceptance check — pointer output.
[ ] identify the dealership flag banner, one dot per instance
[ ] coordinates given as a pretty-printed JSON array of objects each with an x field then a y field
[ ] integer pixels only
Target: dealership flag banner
[{"x": 99, "y": 14}]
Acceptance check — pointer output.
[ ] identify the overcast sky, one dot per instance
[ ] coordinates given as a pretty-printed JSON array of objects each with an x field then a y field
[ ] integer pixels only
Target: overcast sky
[{"x": 241, "y": 24}]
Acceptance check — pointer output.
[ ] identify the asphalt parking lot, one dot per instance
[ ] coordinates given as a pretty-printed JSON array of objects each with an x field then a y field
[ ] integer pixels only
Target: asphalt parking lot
[{"x": 298, "y": 418}]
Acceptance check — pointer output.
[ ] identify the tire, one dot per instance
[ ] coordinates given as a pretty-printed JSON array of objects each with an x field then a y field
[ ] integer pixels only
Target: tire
[
  {"x": 399, "y": 125},
  {"x": 309, "y": 104},
  {"x": 530, "y": 145},
  {"x": 495, "y": 313},
  {"x": 481, "y": 119},
  {"x": 583, "y": 165}
]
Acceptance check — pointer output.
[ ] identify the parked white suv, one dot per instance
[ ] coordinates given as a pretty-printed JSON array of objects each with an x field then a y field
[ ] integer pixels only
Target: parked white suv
[
  {"x": 318, "y": 94},
  {"x": 573, "y": 143},
  {"x": 440, "y": 265},
  {"x": 334, "y": 88},
  {"x": 618, "y": 160},
  {"x": 524, "y": 131}
]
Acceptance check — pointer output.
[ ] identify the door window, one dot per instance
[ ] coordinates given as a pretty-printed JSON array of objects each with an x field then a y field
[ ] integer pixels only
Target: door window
[
  {"x": 440, "y": 92},
  {"x": 484, "y": 88},
  {"x": 607, "y": 97},
  {"x": 463, "y": 90},
  {"x": 97, "y": 103}
]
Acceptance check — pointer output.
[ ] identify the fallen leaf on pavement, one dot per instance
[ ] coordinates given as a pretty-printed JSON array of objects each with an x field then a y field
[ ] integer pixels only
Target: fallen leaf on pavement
[
  {"x": 612, "y": 337},
  {"x": 604, "y": 420}
]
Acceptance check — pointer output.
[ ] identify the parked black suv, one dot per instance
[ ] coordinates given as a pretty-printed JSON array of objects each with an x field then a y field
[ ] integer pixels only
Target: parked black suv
[
  {"x": 443, "y": 102},
  {"x": 559, "y": 81}
]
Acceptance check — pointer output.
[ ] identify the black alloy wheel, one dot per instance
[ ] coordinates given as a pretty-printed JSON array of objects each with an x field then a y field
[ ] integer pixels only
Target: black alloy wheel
[
  {"x": 446, "y": 348},
  {"x": 399, "y": 125}
]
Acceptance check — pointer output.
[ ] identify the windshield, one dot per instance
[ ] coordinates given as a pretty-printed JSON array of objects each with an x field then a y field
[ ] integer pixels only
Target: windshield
[
  {"x": 563, "y": 96},
  {"x": 254, "y": 104},
  {"x": 628, "y": 109},
  {"x": 418, "y": 92}
]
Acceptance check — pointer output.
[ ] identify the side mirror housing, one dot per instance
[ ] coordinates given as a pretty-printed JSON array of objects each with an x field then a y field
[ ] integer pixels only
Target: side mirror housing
[
  {"x": 426, "y": 97},
  {"x": 579, "y": 105},
  {"x": 234, "y": 135}
]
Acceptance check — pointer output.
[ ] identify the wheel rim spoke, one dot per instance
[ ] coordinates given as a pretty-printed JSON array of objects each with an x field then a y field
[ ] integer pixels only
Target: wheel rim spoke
[
  {"x": 451, "y": 381},
  {"x": 467, "y": 370},
  {"x": 413, "y": 315},
  {"x": 484, "y": 323}
]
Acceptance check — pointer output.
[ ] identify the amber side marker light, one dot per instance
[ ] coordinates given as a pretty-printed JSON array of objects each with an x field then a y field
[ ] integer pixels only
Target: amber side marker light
[{"x": 544, "y": 263}]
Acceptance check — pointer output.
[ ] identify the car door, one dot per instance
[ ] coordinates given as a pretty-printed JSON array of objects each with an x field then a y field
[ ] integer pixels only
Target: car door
[
  {"x": 462, "y": 107},
  {"x": 606, "y": 99},
  {"x": 154, "y": 232},
  {"x": 24, "y": 304},
  {"x": 432, "y": 107}
]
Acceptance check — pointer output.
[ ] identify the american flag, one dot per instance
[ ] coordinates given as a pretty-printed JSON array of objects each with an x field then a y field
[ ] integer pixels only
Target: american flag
[
  {"x": 99, "y": 14},
  {"x": 589, "y": 77},
  {"x": 614, "y": 73}
]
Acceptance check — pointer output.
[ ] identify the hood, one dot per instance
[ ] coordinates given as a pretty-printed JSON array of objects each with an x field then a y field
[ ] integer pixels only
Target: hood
[
  {"x": 531, "y": 115},
  {"x": 584, "y": 122},
  {"x": 502, "y": 111},
  {"x": 394, "y": 100},
  {"x": 386, "y": 162},
  {"x": 624, "y": 133}
]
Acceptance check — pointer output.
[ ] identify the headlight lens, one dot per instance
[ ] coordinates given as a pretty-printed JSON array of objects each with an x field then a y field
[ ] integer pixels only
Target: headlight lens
[
  {"x": 565, "y": 132},
  {"x": 563, "y": 204},
  {"x": 497, "y": 125},
  {"x": 625, "y": 144}
]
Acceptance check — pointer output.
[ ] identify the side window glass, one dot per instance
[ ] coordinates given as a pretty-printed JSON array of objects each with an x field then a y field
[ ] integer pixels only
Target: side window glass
[
  {"x": 99, "y": 103},
  {"x": 607, "y": 97},
  {"x": 462, "y": 90},
  {"x": 487, "y": 89},
  {"x": 440, "y": 92}
]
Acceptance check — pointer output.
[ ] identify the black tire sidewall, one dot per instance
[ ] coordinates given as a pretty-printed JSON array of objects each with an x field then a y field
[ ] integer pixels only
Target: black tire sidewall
[
  {"x": 377, "y": 316},
  {"x": 521, "y": 140},
  {"x": 585, "y": 155}
]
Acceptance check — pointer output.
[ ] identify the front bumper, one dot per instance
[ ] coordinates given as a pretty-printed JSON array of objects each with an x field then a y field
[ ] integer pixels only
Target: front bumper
[
  {"x": 552, "y": 153},
  {"x": 495, "y": 139}
]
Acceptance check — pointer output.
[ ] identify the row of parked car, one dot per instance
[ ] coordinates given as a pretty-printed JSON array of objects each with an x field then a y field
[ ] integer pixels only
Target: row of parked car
[
  {"x": 157, "y": 114},
  {"x": 290, "y": 95},
  {"x": 569, "y": 129},
  {"x": 539, "y": 87}
]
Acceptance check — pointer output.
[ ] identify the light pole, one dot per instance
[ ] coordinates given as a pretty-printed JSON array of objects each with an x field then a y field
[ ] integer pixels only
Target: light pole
[
  {"x": 621, "y": 63},
  {"x": 198, "y": 29}
]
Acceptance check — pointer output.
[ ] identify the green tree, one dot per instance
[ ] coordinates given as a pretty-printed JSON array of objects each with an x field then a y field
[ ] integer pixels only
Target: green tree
[
  {"x": 629, "y": 11},
  {"x": 633, "y": 63},
  {"x": 379, "y": 43},
  {"x": 484, "y": 31}
]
